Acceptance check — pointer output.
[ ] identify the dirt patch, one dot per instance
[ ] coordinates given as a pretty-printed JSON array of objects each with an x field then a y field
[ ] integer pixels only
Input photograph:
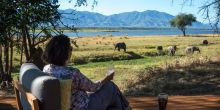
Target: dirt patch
[{"x": 205, "y": 102}]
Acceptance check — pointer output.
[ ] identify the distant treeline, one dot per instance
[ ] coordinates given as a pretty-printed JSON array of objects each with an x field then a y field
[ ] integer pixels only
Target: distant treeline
[
  {"x": 129, "y": 28},
  {"x": 123, "y": 28},
  {"x": 117, "y": 29}
]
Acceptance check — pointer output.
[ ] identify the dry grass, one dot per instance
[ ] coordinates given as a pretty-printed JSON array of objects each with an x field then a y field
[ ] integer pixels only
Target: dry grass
[{"x": 186, "y": 76}]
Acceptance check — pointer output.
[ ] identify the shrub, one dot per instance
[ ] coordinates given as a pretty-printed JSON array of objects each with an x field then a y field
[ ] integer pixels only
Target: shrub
[{"x": 105, "y": 57}]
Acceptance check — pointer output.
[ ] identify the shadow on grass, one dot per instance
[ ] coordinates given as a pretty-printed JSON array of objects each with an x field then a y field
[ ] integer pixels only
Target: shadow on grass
[
  {"x": 207, "y": 44},
  {"x": 195, "y": 79},
  {"x": 109, "y": 57},
  {"x": 132, "y": 55}
]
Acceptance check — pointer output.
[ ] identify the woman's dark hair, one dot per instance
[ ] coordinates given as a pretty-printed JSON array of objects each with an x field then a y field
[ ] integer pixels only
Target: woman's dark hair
[{"x": 57, "y": 50}]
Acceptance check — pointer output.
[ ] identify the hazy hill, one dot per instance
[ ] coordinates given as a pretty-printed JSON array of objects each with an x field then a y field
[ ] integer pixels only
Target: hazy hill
[{"x": 149, "y": 18}]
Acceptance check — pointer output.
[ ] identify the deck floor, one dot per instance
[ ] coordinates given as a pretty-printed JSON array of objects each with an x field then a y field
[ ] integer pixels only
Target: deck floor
[{"x": 205, "y": 102}]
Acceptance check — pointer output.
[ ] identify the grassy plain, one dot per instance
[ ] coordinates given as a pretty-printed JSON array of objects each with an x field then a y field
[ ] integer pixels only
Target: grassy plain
[
  {"x": 97, "y": 54},
  {"x": 140, "y": 71}
]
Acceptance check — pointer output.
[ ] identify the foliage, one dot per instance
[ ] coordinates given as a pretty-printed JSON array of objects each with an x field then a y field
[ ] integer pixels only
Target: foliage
[
  {"x": 7, "y": 18},
  {"x": 19, "y": 21},
  {"x": 182, "y": 20}
]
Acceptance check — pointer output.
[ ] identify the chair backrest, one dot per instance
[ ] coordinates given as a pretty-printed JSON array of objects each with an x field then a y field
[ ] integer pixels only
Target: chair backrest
[{"x": 36, "y": 90}]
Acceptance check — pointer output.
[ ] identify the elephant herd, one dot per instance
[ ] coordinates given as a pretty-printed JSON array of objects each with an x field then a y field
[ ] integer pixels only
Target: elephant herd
[{"x": 171, "y": 49}]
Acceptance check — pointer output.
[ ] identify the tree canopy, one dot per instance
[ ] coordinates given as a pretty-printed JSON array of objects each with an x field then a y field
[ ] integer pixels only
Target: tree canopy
[
  {"x": 182, "y": 20},
  {"x": 25, "y": 24}
]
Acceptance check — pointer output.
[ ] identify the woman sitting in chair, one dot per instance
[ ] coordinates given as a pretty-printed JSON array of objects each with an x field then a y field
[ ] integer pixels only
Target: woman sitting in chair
[{"x": 106, "y": 94}]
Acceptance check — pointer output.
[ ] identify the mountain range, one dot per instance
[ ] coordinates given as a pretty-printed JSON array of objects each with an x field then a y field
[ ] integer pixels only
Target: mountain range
[{"x": 149, "y": 18}]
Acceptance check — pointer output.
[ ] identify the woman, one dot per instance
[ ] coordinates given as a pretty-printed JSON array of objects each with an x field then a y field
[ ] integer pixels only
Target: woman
[{"x": 106, "y": 94}]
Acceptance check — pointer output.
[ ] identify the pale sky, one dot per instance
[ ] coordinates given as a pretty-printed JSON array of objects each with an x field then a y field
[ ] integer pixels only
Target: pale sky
[{"x": 109, "y": 7}]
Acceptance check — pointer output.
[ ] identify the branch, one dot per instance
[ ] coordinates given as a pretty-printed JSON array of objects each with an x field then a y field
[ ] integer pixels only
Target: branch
[
  {"x": 71, "y": 28},
  {"x": 41, "y": 41},
  {"x": 210, "y": 4}
]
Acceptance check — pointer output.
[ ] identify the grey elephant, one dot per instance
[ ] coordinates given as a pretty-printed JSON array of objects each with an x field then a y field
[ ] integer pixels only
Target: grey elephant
[
  {"x": 192, "y": 49},
  {"x": 172, "y": 50},
  {"x": 120, "y": 45},
  {"x": 159, "y": 50}
]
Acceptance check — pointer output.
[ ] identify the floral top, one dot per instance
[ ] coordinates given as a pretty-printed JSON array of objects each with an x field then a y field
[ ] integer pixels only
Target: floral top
[{"x": 80, "y": 84}]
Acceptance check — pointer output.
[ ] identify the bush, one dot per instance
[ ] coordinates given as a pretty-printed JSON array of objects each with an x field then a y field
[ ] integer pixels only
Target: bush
[
  {"x": 80, "y": 60},
  {"x": 105, "y": 57}
]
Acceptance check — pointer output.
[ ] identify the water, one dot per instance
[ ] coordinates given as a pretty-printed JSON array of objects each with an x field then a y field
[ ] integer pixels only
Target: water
[{"x": 141, "y": 32}]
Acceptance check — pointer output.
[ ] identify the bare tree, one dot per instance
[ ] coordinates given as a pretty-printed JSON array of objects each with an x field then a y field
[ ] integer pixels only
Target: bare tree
[{"x": 211, "y": 11}]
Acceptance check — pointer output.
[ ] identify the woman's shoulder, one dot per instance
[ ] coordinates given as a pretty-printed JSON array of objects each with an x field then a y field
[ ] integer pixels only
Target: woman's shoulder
[
  {"x": 59, "y": 68},
  {"x": 72, "y": 68}
]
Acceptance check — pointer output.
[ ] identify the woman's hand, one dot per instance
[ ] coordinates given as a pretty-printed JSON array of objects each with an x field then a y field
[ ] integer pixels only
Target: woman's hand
[{"x": 108, "y": 78}]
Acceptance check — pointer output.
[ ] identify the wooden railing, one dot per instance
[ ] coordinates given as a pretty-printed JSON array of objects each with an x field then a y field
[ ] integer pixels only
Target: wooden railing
[{"x": 32, "y": 100}]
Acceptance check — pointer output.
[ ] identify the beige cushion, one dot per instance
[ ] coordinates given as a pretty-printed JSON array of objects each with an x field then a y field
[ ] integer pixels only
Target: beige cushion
[{"x": 65, "y": 87}]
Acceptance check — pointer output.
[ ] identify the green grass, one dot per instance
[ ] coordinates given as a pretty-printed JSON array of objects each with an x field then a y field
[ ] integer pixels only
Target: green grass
[
  {"x": 97, "y": 53},
  {"x": 127, "y": 70}
]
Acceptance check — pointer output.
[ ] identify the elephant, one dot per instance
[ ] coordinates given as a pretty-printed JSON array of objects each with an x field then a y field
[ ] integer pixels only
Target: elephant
[
  {"x": 205, "y": 42},
  {"x": 172, "y": 50},
  {"x": 191, "y": 49},
  {"x": 159, "y": 50},
  {"x": 120, "y": 45}
]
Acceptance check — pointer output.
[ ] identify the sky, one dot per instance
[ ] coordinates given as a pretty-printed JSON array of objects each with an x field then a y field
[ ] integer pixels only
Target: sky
[{"x": 109, "y": 7}]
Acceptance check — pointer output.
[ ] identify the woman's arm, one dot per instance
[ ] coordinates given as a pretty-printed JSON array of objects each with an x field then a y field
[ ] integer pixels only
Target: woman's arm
[{"x": 86, "y": 84}]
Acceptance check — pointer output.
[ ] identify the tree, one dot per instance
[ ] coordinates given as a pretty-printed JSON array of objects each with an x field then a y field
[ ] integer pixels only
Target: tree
[
  {"x": 7, "y": 31},
  {"x": 34, "y": 15},
  {"x": 43, "y": 16},
  {"x": 19, "y": 21},
  {"x": 182, "y": 20},
  {"x": 211, "y": 10}
]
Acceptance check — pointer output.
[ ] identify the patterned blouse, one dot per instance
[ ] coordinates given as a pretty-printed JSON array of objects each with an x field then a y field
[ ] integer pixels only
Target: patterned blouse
[{"x": 80, "y": 84}]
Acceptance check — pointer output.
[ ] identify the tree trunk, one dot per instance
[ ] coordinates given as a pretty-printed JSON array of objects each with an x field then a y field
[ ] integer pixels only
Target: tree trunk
[
  {"x": 24, "y": 44},
  {"x": 184, "y": 32},
  {"x": 29, "y": 43},
  {"x": 11, "y": 57},
  {"x": 1, "y": 65},
  {"x": 6, "y": 58},
  {"x": 21, "y": 56}
]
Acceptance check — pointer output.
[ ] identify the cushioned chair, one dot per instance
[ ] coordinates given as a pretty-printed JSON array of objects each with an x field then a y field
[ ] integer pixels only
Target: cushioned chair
[{"x": 36, "y": 90}]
